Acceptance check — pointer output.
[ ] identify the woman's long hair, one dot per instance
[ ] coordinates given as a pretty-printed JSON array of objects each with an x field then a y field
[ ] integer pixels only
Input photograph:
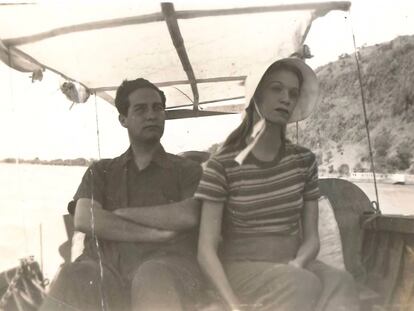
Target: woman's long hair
[{"x": 238, "y": 137}]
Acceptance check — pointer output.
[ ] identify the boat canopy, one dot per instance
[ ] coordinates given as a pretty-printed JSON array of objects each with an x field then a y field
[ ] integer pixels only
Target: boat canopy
[{"x": 199, "y": 53}]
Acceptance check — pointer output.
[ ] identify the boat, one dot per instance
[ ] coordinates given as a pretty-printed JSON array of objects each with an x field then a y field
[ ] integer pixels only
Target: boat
[{"x": 198, "y": 53}]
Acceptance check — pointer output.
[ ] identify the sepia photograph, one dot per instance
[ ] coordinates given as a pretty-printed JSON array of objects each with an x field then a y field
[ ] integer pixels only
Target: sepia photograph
[{"x": 207, "y": 155}]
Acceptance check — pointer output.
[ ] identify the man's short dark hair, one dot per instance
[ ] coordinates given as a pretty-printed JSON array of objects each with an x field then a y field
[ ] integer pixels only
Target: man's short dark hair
[{"x": 127, "y": 87}]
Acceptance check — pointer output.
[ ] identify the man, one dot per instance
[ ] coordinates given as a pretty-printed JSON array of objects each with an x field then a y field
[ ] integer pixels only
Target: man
[{"x": 139, "y": 219}]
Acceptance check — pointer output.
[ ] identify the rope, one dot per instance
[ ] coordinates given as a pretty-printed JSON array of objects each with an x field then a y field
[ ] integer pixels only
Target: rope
[
  {"x": 297, "y": 132},
  {"x": 17, "y": 155},
  {"x": 94, "y": 236},
  {"x": 97, "y": 128},
  {"x": 96, "y": 240},
  {"x": 376, "y": 204},
  {"x": 41, "y": 246}
]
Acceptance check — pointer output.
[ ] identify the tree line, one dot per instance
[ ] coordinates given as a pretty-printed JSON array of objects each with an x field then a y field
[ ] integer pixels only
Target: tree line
[{"x": 64, "y": 162}]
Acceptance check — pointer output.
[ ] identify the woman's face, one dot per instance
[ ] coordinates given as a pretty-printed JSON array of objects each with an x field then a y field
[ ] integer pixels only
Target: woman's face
[{"x": 278, "y": 95}]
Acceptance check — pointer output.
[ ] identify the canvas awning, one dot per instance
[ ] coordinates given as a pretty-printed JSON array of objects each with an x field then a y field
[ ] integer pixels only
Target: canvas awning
[{"x": 197, "y": 52}]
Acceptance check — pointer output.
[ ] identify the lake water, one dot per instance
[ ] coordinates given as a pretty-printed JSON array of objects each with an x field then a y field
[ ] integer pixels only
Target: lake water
[
  {"x": 34, "y": 195},
  {"x": 31, "y": 195}
]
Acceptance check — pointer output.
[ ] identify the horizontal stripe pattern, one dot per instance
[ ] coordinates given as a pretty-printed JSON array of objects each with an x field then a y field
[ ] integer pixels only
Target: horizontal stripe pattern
[{"x": 261, "y": 199}]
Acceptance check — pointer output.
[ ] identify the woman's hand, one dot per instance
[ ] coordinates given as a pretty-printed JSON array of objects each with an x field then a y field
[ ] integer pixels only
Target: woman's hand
[
  {"x": 121, "y": 212},
  {"x": 310, "y": 245}
]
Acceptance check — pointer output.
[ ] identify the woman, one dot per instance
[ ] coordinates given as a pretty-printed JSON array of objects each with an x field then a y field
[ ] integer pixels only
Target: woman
[{"x": 260, "y": 192}]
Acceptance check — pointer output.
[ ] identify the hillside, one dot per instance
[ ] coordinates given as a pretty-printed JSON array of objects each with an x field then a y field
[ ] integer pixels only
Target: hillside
[{"x": 336, "y": 130}]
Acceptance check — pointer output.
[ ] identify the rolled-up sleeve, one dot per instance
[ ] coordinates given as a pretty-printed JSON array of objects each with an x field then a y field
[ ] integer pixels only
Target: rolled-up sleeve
[{"x": 92, "y": 184}]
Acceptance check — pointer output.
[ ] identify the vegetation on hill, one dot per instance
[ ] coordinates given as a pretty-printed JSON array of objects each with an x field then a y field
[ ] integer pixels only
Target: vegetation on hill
[{"x": 336, "y": 130}]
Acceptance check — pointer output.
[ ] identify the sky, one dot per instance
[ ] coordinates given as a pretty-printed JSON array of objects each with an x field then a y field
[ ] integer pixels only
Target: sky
[{"x": 36, "y": 120}]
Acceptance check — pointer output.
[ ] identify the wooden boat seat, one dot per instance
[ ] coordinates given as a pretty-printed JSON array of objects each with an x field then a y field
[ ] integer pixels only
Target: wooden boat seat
[
  {"x": 65, "y": 248},
  {"x": 350, "y": 205}
]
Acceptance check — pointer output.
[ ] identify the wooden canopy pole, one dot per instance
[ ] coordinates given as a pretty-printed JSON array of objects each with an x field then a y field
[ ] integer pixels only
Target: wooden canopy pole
[
  {"x": 177, "y": 82},
  {"x": 171, "y": 20},
  {"x": 318, "y": 6},
  {"x": 116, "y": 22}
]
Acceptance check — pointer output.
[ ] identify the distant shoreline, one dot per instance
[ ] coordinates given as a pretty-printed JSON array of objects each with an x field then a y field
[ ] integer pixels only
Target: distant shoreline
[
  {"x": 56, "y": 162},
  {"x": 382, "y": 178}
]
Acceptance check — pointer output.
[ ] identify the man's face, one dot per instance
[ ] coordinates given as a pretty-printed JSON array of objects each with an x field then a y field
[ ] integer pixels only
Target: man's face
[{"x": 146, "y": 116}]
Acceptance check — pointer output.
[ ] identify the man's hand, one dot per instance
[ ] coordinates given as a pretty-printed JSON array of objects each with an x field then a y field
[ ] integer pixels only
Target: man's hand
[
  {"x": 165, "y": 235},
  {"x": 121, "y": 212},
  {"x": 296, "y": 263}
]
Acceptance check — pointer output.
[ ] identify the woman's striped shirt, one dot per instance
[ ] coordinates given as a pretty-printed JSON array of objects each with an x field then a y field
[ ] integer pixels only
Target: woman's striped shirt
[{"x": 261, "y": 198}]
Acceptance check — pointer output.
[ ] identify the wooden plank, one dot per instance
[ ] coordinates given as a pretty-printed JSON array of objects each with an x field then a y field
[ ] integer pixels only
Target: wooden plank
[
  {"x": 111, "y": 23},
  {"x": 177, "y": 82},
  {"x": 389, "y": 261},
  {"x": 17, "y": 3},
  {"x": 208, "y": 102},
  {"x": 396, "y": 254},
  {"x": 392, "y": 223},
  {"x": 178, "y": 41},
  {"x": 322, "y": 6},
  {"x": 383, "y": 263},
  {"x": 187, "y": 113},
  {"x": 221, "y": 100},
  {"x": 221, "y": 79},
  {"x": 236, "y": 108},
  {"x": 404, "y": 292}
]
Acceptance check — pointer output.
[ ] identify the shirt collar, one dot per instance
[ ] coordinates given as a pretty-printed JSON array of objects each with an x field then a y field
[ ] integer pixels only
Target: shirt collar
[{"x": 160, "y": 157}]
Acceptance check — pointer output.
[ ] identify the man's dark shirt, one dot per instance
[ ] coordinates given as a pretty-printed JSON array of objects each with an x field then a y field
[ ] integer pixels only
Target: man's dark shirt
[{"x": 118, "y": 183}]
